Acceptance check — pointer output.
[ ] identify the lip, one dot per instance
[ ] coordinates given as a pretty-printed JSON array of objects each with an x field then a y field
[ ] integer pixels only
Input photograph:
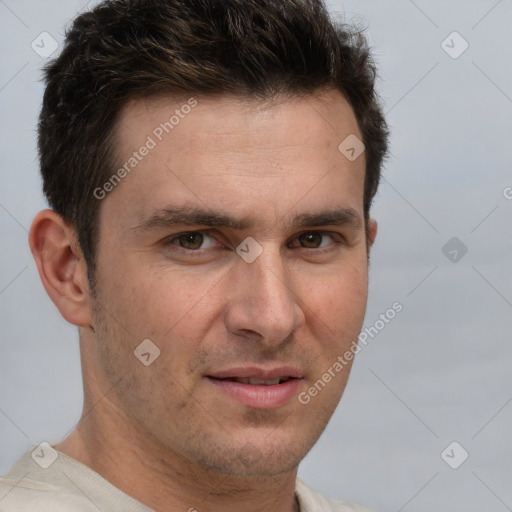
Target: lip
[
  {"x": 253, "y": 372},
  {"x": 258, "y": 396}
]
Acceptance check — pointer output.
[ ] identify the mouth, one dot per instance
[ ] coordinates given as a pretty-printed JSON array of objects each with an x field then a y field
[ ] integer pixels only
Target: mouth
[
  {"x": 256, "y": 382},
  {"x": 258, "y": 388}
]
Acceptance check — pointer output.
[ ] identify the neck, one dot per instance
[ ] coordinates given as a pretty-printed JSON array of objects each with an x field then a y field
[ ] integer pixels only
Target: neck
[{"x": 109, "y": 444}]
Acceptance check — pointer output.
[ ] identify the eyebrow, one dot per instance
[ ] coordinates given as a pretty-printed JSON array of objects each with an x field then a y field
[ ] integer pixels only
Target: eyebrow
[
  {"x": 193, "y": 216},
  {"x": 339, "y": 217}
]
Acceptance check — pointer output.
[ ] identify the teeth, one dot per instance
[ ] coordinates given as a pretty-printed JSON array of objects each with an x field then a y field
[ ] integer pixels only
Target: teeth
[
  {"x": 258, "y": 382},
  {"x": 265, "y": 382}
]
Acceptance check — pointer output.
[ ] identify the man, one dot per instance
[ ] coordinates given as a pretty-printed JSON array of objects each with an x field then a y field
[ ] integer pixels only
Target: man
[{"x": 210, "y": 167}]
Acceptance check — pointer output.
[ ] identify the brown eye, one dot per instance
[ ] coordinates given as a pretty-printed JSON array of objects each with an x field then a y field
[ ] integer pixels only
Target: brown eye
[
  {"x": 192, "y": 243},
  {"x": 311, "y": 240},
  {"x": 191, "y": 240},
  {"x": 317, "y": 241}
]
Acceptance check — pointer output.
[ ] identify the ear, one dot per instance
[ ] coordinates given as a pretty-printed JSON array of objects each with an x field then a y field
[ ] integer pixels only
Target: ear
[
  {"x": 61, "y": 266},
  {"x": 371, "y": 232}
]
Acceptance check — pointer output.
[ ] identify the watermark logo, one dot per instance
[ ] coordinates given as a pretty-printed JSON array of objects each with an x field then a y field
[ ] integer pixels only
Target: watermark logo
[
  {"x": 351, "y": 147},
  {"x": 454, "y": 45},
  {"x": 249, "y": 249},
  {"x": 454, "y": 455},
  {"x": 44, "y": 45},
  {"x": 454, "y": 249},
  {"x": 146, "y": 352},
  {"x": 44, "y": 455},
  {"x": 250, "y": 454}
]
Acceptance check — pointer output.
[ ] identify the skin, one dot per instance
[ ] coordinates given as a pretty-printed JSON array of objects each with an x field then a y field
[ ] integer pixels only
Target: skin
[{"x": 163, "y": 433}]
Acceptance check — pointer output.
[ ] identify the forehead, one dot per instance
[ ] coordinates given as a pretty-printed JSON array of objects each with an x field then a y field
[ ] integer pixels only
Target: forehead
[
  {"x": 237, "y": 154},
  {"x": 221, "y": 115}
]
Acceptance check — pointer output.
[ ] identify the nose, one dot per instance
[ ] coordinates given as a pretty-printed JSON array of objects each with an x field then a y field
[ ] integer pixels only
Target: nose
[{"x": 263, "y": 304}]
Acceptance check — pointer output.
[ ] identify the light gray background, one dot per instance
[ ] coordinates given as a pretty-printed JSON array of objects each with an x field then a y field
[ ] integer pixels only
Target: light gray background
[{"x": 440, "y": 371}]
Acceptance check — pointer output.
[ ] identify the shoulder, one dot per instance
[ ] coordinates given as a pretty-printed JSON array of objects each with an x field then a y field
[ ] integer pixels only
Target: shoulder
[
  {"x": 313, "y": 501},
  {"x": 43, "y": 480},
  {"x": 27, "y": 495},
  {"x": 40, "y": 487}
]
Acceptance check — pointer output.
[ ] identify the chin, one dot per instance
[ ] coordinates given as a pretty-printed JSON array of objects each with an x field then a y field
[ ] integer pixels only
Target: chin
[{"x": 251, "y": 460}]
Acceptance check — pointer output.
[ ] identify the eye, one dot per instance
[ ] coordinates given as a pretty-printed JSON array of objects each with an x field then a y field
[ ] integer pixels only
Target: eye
[
  {"x": 192, "y": 241},
  {"x": 314, "y": 240}
]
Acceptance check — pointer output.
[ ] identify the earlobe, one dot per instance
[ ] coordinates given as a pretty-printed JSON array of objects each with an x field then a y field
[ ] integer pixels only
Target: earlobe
[{"x": 61, "y": 266}]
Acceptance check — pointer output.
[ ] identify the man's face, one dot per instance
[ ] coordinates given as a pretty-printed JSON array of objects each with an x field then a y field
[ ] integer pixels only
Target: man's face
[{"x": 171, "y": 274}]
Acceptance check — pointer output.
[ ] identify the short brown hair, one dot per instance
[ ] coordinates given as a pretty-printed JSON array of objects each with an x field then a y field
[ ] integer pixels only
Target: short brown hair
[{"x": 138, "y": 48}]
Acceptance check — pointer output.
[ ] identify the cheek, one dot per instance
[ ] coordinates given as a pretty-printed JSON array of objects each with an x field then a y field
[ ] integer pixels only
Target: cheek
[
  {"x": 336, "y": 306},
  {"x": 175, "y": 310},
  {"x": 157, "y": 296}
]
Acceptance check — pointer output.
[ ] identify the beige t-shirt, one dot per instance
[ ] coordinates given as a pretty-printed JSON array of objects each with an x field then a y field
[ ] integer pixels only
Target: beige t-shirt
[{"x": 45, "y": 480}]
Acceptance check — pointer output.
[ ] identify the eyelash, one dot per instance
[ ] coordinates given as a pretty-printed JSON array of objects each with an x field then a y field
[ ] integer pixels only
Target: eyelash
[{"x": 306, "y": 250}]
